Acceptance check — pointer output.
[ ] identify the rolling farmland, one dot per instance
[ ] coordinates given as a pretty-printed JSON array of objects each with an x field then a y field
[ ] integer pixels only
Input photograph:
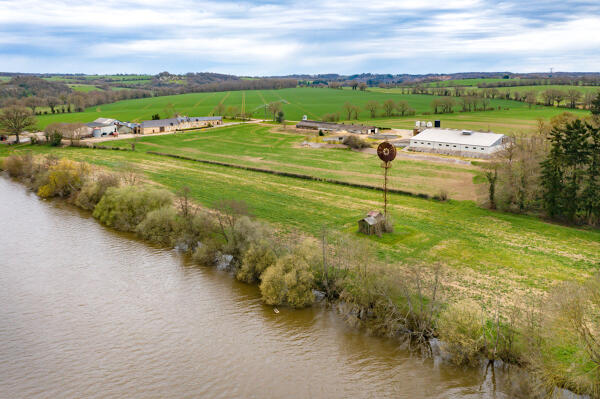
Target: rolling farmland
[{"x": 505, "y": 117}]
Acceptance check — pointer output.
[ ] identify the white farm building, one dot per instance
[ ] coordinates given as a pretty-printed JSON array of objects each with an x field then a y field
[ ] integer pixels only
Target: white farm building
[{"x": 458, "y": 142}]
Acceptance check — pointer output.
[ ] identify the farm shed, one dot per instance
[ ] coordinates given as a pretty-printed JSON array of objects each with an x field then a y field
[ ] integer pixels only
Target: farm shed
[
  {"x": 101, "y": 127},
  {"x": 125, "y": 127},
  {"x": 179, "y": 123},
  {"x": 334, "y": 139},
  {"x": 458, "y": 142},
  {"x": 372, "y": 223},
  {"x": 336, "y": 127}
]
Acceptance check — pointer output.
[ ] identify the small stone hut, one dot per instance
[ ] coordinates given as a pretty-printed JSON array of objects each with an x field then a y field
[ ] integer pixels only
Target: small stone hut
[{"x": 372, "y": 223}]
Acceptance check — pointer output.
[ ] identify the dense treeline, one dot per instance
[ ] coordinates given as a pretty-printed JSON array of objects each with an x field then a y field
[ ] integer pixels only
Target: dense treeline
[
  {"x": 569, "y": 98},
  {"x": 556, "y": 172},
  {"x": 556, "y": 341},
  {"x": 47, "y": 97},
  {"x": 571, "y": 173},
  {"x": 39, "y": 95},
  {"x": 561, "y": 81},
  {"x": 250, "y": 84}
]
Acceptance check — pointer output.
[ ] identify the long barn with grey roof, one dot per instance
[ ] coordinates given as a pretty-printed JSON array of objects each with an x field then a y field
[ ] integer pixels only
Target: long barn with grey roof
[
  {"x": 336, "y": 127},
  {"x": 178, "y": 123},
  {"x": 458, "y": 142}
]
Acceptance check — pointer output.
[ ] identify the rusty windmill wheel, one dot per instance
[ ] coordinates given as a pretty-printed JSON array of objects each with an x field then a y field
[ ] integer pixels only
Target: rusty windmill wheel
[{"x": 387, "y": 153}]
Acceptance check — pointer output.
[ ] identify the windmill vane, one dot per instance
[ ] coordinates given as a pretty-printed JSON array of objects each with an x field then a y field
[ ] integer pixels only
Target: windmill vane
[{"x": 386, "y": 151}]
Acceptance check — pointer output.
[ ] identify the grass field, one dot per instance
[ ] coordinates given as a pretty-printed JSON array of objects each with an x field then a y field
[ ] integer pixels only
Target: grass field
[
  {"x": 315, "y": 102},
  {"x": 467, "y": 82},
  {"x": 499, "y": 121},
  {"x": 489, "y": 256},
  {"x": 82, "y": 87},
  {"x": 278, "y": 149}
]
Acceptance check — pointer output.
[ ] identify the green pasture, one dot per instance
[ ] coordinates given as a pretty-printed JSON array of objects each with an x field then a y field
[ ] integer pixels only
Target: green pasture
[
  {"x": 313, "y": 102},
  {"x": 488, "y": 256},
  {"x": 83, "y": 88},
  {"x": 467, "y": 82},
  {"x": 279, "y": 149}
]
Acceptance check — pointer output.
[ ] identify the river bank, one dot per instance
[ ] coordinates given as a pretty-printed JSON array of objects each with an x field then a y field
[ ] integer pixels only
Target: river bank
[
  {"x": 92, "y": 312},
  {"x": 395, "y": 308}
]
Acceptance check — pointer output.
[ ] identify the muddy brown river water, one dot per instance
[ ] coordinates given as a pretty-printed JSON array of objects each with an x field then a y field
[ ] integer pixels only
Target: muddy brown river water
[{"x": 86, "y": 312}]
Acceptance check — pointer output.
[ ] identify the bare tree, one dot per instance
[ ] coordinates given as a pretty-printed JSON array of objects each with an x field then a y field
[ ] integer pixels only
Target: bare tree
[
  {"x": 274, "y": 108},
  {"x": 573, "y": 95},
  {"x": 184, "y": 203},
  {"x": 52, "y": 103},
  {"x": 233, "y": 111},
  {"x": 15, "y": 120},
  {"x": 372, "y": 106},
  {"x": 588, "y": 98},
  {"x": 435, "y": 105},
  {"x": 362, "y": 86},
  {"x": 219, "y": 109},
  {"x": 73, "y": 131},
  {"x": 402, "y": 107},
  {"x": 388, "y": 107},
  {"x": 530, "y": 98},
  {"x": 348, "y": 109},
  {"x": 33, "y": 102},
  {"x": 229, "y": 211},
  {"x": 484, "y": 103}
]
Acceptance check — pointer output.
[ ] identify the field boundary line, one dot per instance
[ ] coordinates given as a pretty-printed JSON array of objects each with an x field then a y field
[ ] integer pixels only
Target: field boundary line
[{"x": 293, "y": 175}]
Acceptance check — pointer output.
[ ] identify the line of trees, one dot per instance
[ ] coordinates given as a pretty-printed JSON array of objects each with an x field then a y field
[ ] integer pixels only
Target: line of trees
[
  {"x": 388, "y": 108},
  {"x": 559, "y": 81},
  {"x": 569, "y": 98},
  {"x": 571, "y": 173},
  {"x": 556, "y": 172}
]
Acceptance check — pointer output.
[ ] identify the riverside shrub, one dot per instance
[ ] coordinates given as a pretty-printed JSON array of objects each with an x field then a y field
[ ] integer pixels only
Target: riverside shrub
[
  {"x": 14, "y": 165},
  {"x": 161, "y": 226},
  {"x": 245, "y": 232},
  {"x": 288, "y": 282},
  {"x": 460, "y": 328},
  {"x": 64, "y": 179},
  {"x": 258, "y": 258},
  {"x": 207, "y": 254},
  {"x": 93, "y": 190},
  {"x": 123, "y": 208},
  {"x": 195, "y": 229}
]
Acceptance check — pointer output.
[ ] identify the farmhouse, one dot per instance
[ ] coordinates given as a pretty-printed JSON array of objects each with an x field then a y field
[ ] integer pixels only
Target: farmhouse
[
  {"x": 336, "y": 127},
  {"x": 458, "y": 142},
  {"x": 179, "y": 123}
]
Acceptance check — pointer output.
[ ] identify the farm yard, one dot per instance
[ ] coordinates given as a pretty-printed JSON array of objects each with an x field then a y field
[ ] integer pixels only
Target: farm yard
[{"x": 488, "y": 255}]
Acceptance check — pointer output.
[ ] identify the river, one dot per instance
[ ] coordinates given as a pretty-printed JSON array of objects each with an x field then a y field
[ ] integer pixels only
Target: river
[{"x": 86, "y": 312}]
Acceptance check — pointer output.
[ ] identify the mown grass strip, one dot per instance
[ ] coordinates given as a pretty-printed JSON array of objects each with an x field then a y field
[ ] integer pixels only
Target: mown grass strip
[{"x": 293, "y": 175}]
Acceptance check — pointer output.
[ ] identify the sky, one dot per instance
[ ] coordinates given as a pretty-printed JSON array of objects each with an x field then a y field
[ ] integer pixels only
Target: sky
[{"x": 265, "y": 38}]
